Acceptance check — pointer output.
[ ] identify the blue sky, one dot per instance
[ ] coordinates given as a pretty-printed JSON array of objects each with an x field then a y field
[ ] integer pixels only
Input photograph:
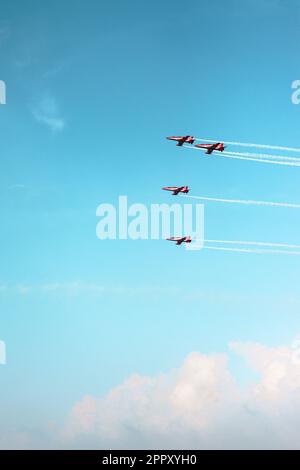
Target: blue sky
[{"x": 92, "y": 91}]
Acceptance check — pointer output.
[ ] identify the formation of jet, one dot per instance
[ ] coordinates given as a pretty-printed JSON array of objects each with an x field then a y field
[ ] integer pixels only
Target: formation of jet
[
  {"x": 187, "y": 139},
  {"x": 177, "y": 189},
  {"x": 210, "y": 148},
  {"x": 180, "y": 240}
]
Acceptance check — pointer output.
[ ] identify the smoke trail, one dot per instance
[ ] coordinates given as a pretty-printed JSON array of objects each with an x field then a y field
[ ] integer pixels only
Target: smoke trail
[
  {"x": 239, "y": 156},
  {"x": 264, "y": 244},
  {"x": 265, "y": 155},
  {"x": 243, "y": 144},
  {"x": 245, "y": 201},
  {"x": 260, "y": 160},
  {"x": 254, "y": 155},
  {"x": 245, "y": 250}
]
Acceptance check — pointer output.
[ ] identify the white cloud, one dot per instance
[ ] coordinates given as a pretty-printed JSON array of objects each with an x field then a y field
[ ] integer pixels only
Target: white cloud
[
  {"x": 77, "y": 287},
  {"x": 47, "y": 112},
  {"x": 17, "y": 186},
  {"x": 23, "y": 289},
  {"x": 55, "y": 124},
  {"x": 198, "y": 405}
]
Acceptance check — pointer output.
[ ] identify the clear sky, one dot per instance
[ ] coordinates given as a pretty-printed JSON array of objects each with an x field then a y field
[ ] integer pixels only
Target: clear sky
[{"x": 93, "y": 88}]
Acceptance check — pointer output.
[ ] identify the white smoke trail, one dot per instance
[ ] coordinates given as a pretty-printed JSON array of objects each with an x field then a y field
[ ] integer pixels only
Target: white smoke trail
[
  {"x": 243, "y": 144},
  {"x": 259, "y": 247},
  {"x": 260, "y": 160},
  {"x": 246, "y": 243},
  {"x": 264, "y": 155},
  {"x": 246, "y": 202},
  {"x": 254, "y": 155},
  {"x": 239, "y": 156},
  {"x": 249, "y": 250}
]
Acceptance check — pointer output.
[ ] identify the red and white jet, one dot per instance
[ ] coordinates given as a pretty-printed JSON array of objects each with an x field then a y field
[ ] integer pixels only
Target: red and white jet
[
  {"x": 187, "y": 139},
  {"x": 177, "y": 189},
  {"x": 180, "y": 240},
  {"x": 219, "y": 146}
]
